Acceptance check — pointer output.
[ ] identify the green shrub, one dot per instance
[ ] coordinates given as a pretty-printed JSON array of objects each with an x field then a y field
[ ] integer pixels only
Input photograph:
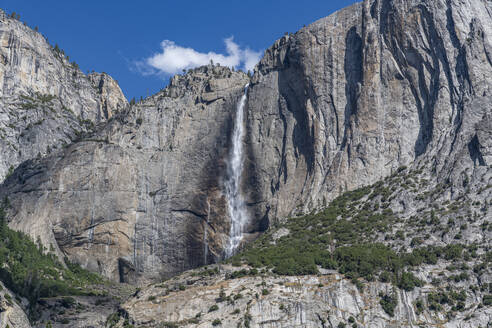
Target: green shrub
[
  {"x": 453, "y": 252},
  {"x": 408, "y": 281},
  {"x": 112, "y": 320},
  {"x": 8, "y": 298},
  {"x": 194, "y": 321},
  {"x": 216, "y": 322},
  {"x": 68, "y": 302},
  {"x": 170, "y": 325},
  {"x": 214, "y": 307},
  {"x": 385, "y": 276},
  {"x": 365, "y": 260},
  {"x": 487, "y": 300},
  {"x": 241, "y": 273},
  {"x": 388, "y": 303},
  {"x": 209, "y": 272},
  {"x": 437, "y": 299},
  {"x": 419, "y": 306}
]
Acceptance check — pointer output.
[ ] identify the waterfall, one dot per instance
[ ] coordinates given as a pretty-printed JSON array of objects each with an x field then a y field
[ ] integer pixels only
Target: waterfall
[{"x": 236, "y": 206}]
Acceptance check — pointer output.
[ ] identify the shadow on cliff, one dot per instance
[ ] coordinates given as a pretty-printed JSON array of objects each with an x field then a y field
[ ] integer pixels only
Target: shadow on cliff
[
  {"x": 297, "y": 139},
  {"x": 353, "y": 69}
]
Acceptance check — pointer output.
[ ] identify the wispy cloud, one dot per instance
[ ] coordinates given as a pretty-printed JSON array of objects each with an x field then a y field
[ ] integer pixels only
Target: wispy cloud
[{"x": 173, "y": 58}]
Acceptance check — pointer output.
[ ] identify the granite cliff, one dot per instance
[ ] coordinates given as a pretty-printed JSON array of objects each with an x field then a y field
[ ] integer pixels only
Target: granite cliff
[
  {"x": 393, "y": 94},
  {"x": 340, "y": 104},
  {"x": 350, "y": 98},
  {"x": 45, "y": 100},
  {"x": 143, "y": 196}
]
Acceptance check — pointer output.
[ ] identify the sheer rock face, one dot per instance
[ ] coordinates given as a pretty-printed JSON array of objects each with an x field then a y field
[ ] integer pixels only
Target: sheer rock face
[
  {"x": 144, "y": 194},
  {"x": 111, "y": 98},
  {"x": 45, "y": 101},
  {"x": 381, "y": 84},
  {"x": 340, "y": 104}
]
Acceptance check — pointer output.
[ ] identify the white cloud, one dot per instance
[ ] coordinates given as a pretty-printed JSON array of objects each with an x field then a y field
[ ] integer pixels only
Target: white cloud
[{"x": 173, "y": 58}]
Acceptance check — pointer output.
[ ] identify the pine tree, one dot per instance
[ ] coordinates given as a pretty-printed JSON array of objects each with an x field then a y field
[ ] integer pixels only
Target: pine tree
[
  {"x": 2, "y": 222},
  {"x": 3, "y": 225}
]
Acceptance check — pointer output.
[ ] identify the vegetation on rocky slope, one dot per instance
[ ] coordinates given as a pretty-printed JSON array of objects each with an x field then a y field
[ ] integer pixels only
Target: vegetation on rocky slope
[
  {"x": 408, "y": 232},
  {"x": 31, "y": 271},
  {"x": 358, "y": 235}
]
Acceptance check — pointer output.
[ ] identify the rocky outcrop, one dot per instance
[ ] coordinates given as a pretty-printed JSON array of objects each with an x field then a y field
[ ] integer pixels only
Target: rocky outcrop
[
  {"x": 11, "y": 314},
  {"x": 144, "y": 195},
  {"x": 381, "y": 84},
  {"x": 82, "y": 311},
  {"x": 197, "y": 299},
  {"x": 45, "y": 100},
  {"x": 111, "y": 98},
  {"x": 342, "y": 103}
]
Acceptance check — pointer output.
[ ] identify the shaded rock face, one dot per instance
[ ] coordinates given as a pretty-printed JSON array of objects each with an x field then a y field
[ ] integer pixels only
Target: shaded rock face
[
  {"x": 350, "y": 98},
  {"x": 143, "y": 196},
  {"x": 340, "y": 104},
  {"x": 45, "y": 101}
]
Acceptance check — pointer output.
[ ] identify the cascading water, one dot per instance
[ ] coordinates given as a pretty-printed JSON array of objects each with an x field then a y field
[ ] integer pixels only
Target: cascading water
[{"x": 236, "y": 205}]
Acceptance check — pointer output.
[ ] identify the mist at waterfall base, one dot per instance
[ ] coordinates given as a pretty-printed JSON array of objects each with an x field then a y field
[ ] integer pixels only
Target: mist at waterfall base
[{"x": 236, "y": 205}]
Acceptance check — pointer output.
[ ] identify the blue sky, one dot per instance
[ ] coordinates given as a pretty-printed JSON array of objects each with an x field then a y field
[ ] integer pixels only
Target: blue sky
[{"x": 125, "y": 38}]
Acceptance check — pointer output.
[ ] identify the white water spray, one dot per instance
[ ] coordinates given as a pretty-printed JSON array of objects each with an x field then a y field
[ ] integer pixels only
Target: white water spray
[{"x": 235, "y": 201}]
